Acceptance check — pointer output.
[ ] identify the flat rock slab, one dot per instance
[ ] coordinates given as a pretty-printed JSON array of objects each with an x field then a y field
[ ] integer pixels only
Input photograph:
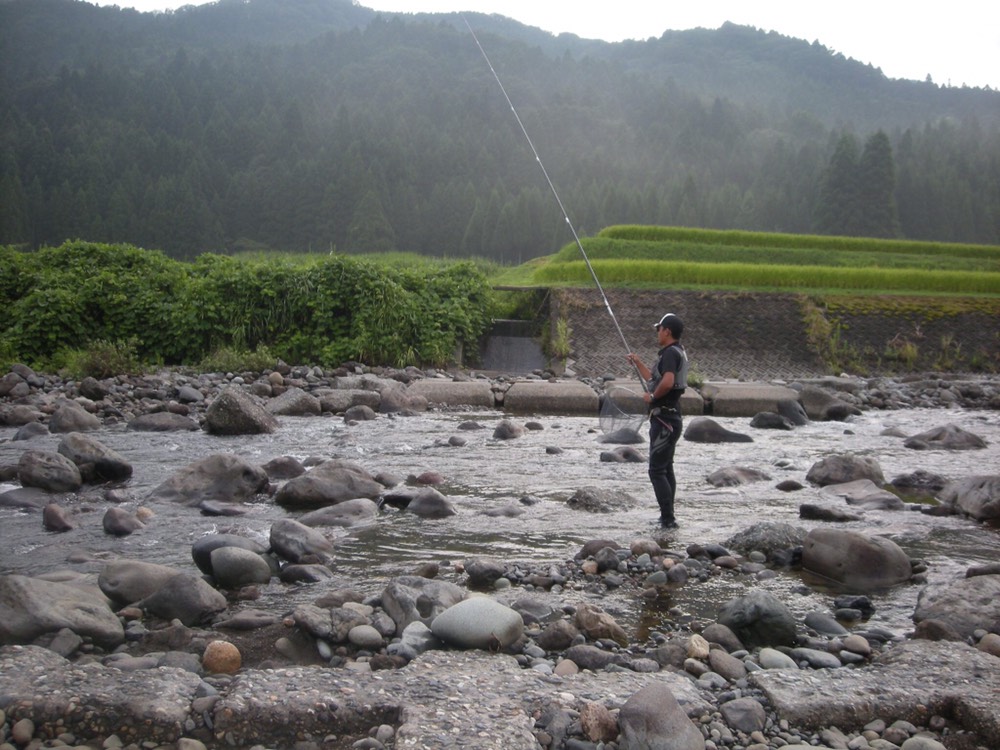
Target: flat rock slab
[
  {"x": 745, "y": 399},
  {"x": 912, "y": 681},
  {"x": 96, "y": 701},
  {"x": 440, "y": 392},
  {"x": 551, "y": 397},
  {"x": 485, "y": 699}
]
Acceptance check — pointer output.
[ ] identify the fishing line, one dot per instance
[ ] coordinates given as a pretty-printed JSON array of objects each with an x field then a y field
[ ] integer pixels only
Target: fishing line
[{"x": 555, "y": 193}]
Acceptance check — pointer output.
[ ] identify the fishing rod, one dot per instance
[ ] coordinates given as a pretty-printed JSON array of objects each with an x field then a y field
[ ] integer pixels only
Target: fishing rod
[{"x": 555, "y": 193}]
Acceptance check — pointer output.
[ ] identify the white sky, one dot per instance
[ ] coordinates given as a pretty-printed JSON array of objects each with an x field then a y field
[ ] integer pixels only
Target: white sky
[{"x": 955, "y": 42}]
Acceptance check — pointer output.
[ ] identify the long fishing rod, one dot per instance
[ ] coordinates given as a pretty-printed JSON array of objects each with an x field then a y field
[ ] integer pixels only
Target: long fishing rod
[{"x": 555, "y": 193}]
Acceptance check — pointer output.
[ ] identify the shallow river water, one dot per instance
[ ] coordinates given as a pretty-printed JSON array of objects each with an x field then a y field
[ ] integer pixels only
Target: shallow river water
[{"x": 487, "y": 473}]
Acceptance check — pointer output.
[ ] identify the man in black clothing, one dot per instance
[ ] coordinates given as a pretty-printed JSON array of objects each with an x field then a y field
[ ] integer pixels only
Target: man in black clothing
[{"x": 664, "y": 385}]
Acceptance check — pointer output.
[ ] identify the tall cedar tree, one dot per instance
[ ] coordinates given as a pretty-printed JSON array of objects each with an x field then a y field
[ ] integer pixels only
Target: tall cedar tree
[{"x": 877, "y": 189}]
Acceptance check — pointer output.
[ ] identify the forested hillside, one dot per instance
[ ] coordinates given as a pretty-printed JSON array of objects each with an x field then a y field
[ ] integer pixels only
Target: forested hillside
[{"x": 321, "y": 125}]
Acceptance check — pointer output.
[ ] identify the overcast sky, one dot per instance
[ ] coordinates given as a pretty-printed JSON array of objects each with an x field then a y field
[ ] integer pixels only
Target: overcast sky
[{"x": 956, "y": 42}]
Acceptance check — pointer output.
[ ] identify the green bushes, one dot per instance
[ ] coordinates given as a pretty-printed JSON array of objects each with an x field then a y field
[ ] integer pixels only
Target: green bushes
[{"x": 326, "y": 311}]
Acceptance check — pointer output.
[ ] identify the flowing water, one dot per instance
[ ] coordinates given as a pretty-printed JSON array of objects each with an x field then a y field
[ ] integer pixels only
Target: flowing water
[{"x": 487, "y": 474}]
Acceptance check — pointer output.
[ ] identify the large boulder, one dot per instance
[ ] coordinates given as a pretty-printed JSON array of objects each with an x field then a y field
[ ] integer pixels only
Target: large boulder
[
  {"x": 759, "y": 619},
  {"x": 822, "y": 405},
  {"x": 479, "y": 622},
  {"x": 843, "y": 468},
  {"x": 48, "y": 471},
  {"x": 947, "y": 437},
  {"x": 294, "y": 402},
  {"x": 978, "y": 497},
  {"x": 329, "y": 483},
  {"x": 348, "y": 513},
  {"x": 222, "y": 477},
  {"x": 186, "y": 598},
  {"x": 236, "y": 412},
  {"x": 234, "y": 567},
  {"x": 33, "y": 607},
  {"x": 966, "y": 605},
  {"x": 95, "y": 460},
  {"x": 705, "y": 430},
  {"x": 652, "y": 718},
  {"x": 864, "y": 493},
  {"x": 296, "y": 542},
  {"x": 128, "y": 581},
  {"x": 203, "y": 547},
  {"x": 767, "y": 537},
  {"x": 71, "y": 417},
  {"x": 855, "y": 561}
]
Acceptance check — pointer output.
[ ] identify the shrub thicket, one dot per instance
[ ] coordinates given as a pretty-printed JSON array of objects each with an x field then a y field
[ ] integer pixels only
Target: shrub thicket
[{"x": 326, "y": 311}]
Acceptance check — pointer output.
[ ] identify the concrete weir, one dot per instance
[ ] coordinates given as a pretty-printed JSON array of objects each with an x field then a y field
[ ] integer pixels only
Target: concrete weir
[
  {"x": 570, "y": 396},
  {"x": 543, "y": 396}
]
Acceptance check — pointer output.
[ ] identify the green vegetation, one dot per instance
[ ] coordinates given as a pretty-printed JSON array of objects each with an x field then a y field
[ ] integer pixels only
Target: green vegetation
[
  {"x": 93, "y": 308},
  {"x": 694, "y": 258}
]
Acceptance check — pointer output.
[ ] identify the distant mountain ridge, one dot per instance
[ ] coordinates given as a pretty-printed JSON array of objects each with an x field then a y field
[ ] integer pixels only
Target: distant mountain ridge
[{"x": 299, "y": 124}]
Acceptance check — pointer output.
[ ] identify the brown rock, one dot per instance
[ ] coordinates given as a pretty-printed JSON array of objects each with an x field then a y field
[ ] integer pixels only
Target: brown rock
[{"x": 221, "y": 657}]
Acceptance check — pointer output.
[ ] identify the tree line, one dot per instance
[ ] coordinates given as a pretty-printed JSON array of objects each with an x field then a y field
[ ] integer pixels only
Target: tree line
[{"x": 392, "y": 135}]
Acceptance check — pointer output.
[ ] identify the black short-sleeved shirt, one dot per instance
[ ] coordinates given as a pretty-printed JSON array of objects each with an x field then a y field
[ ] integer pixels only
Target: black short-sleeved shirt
[{"x": 673, "y": 359}]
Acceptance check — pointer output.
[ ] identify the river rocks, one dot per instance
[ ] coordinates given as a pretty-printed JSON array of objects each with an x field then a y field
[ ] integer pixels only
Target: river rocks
[
  {"x": 294, "y": 402},
  {"x": 329, "y": 483},
  {"x": 234, "y": 567},
  {"x": 843, "y": 468},
  {"x": 186, "y": 598},
  {"x": 767, "y": 537},
  {"x": 162, "y": 421},
  {"x": 223, "y": 477},
  {"x": 947, "y": 437},
  {"x": 864, "y": 494},
  {"x": 964, "y": 605},
  {"x": 33, "y": 607},
  {"x": 821, "y": 404},
  {"x": 733, "y": 476},
  {"x": 769, "y": 420},
  {"x": 71, "y": 417},
  {"x": 297, "y": 542},
  {"x": 202, "y": 548},
  {"x": 858, "y": 562},
  {"x": 478, "y": 622},
  {"x": 235, "y": 412},
  {"x": 354, "y": 512},
  {"x": 48, "y": 471},
  {"x": 408, "y": 599},
  {"x": 978, "y": 497},
  {"x": 428, "y": 502},
  {"x": 508, "y": 430},
  {"x": 652, "y": 718},
  {"x": 599, "y": 500},
  {"x": 120, "y": 522},
  {"x": 705, "y": 430},
  {"x": 128, "y": 581},
  {"x": 221, "y": 657},
  {"x": 57, "y": 518},
  {"x": 759, "y": 619},
  {"x": 97, "y": 462},
  {"x": 598, "y": 625}
]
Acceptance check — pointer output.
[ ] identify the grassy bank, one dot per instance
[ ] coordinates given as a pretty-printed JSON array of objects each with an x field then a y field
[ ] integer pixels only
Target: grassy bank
[{"x": 676, "y": 257}]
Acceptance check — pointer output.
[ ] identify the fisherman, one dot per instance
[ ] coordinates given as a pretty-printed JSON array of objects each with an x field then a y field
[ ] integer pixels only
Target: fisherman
[{"x": 664, "y": 385}]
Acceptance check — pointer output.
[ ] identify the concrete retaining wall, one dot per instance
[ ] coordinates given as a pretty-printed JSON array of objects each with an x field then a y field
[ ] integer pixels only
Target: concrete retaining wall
[{"x": 762, "y": 336}]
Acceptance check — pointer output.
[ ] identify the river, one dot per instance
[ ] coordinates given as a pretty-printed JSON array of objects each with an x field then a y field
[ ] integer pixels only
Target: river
[{"x": 487, "y": 473}]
